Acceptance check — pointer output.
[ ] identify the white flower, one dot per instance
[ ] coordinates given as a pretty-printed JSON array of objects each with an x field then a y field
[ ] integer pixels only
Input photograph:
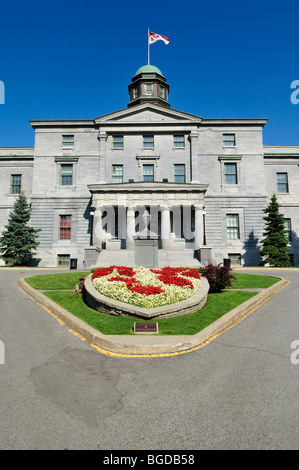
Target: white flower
[{"x": 118, "y": 290}]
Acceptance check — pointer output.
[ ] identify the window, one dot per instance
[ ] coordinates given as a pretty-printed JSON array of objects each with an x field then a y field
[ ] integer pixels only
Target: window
[
  {"x": 67, "y": 141},
  {"x": 179, "y": 173},
  {"x": 235, "y": 259},
  {"x": 148, "y": 141},
  {"x": 148, "y": 172},
  {"x": 16, "y": 184},
  {"x": 229, "y": 140},
  {"x": 288, "y": 229},
  {"x": 179, "y": 141},
  {"x": 162, "y": 92},
  {"x": 117, "y": 173},
  {"x": 65, "y": 227},
  {"x": 66, "y": 175},
  {"x": 135, "y": 92},
  {"x": 148, "y": 89},
  {"x": 63, "y": 260},
  {"x": 118, "y": 141},
  {"x": 230, "y": 173},
  {"x": 232, "y": 226},
  {"x": 282, "y": 182}
]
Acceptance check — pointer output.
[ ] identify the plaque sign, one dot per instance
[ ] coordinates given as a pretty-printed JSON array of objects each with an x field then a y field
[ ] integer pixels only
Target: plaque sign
[{"x": 146, "y": 328}]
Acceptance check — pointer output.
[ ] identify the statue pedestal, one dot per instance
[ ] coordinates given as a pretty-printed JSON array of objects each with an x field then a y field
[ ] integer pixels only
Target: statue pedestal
[
  {"x": 146, "y": 250},
  {"x": 205, "y": 254},
  {"x": 91, "y": 255},
  {"x": 146, "y": 244}
]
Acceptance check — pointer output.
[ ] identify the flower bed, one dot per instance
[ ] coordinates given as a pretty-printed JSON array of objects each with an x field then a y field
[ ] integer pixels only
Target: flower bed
[{"x": 144, "y": 287}]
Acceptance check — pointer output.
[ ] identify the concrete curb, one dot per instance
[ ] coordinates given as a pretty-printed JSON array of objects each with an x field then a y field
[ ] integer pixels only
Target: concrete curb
[{"x": 144, "y": 345}]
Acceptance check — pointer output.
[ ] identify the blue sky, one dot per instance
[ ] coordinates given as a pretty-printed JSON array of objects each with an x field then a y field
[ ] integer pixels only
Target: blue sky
[{"x": 74, "y": 59}]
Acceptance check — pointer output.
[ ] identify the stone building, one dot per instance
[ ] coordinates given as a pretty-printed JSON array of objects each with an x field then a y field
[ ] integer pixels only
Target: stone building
[{"x": 205, "y": 183}]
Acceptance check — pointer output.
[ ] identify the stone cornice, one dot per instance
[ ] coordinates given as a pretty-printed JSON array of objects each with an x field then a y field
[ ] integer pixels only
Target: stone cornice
[
  {"x": 16, "y": 157},
  {"x": 234, "y": 122},
  {"x": 62, "y": 123},
  {"x": 144, "y": 186}
]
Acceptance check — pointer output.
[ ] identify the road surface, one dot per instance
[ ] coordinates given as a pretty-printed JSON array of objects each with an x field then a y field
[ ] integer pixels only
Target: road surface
[{"x": 238, "y": 392}]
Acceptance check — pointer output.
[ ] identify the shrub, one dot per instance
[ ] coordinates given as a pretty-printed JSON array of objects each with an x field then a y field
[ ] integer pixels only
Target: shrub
[{"x": 219, "y": 277}]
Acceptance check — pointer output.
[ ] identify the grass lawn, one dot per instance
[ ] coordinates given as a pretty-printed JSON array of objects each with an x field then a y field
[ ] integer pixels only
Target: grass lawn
[
  {"x": 55, "y": 281},
  {"x": 69, "y": 281},
  {"x": 244, "y": 281},
  {"x": 217, "y": 305}
]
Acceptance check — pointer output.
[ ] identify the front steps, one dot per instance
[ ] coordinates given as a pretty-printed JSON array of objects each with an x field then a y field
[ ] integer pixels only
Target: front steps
[{"x": 173, "y": 258}]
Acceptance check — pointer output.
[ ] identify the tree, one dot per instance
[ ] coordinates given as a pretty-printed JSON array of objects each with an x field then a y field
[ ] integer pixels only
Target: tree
[
  {"x": 18, "y": 240},
  {"x": 274, "y": 250}
]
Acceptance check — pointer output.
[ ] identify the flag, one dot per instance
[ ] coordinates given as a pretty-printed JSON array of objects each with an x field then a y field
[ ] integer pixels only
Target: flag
[{"x": 153, "y": 37}]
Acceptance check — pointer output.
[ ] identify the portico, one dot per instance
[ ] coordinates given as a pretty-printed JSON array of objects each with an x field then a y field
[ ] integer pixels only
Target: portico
[{"x": 176, "y": 213}]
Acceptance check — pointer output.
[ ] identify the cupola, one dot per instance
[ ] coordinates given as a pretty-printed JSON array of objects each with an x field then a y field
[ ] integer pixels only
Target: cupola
[{"x": 149, "y": 86}]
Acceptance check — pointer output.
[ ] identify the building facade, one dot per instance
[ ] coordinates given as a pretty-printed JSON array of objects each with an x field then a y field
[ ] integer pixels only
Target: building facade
[{"x": 205, "y": 183}]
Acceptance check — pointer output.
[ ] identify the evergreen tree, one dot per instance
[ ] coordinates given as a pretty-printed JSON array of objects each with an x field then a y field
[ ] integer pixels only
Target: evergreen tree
[
  {"x": 18, "y": 240},
  {"x": 274, "y": 250}
]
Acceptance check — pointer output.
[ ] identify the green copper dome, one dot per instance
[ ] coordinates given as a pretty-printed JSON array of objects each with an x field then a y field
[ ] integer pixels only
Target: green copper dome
[{"x": 148, "y": 69}]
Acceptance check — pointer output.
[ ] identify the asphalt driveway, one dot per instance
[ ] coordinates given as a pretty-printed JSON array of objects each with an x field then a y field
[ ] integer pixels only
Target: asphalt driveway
[{"x": 238, "y": 392}]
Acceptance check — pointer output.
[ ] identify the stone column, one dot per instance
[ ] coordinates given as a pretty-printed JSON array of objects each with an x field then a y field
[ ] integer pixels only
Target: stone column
[
  {"x": 130, "y": 243},
  {"x": 97, "y": 234},
  {"x": 198, "y": 236},
  {"x": 165, "y": 227}
]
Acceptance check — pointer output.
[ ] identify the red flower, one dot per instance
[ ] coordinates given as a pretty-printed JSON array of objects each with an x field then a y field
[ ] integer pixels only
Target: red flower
[
  {"x": 146, "y": 290},
  {"x": 134, "y": 286},
  {"x": 125, "y": 271},
  {"x": 100, "y": 272},
  {"x": 167, "y": 275},
  {"x": 191, "y": 273},
  {"x": 122, "y": 270},
  {"x": 123, "y": 279},
  {"x": 177, "y": 281}
]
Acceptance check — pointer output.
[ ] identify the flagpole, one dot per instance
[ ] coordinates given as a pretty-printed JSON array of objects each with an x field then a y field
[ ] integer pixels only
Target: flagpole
[{"x": 148, "y": 48}]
